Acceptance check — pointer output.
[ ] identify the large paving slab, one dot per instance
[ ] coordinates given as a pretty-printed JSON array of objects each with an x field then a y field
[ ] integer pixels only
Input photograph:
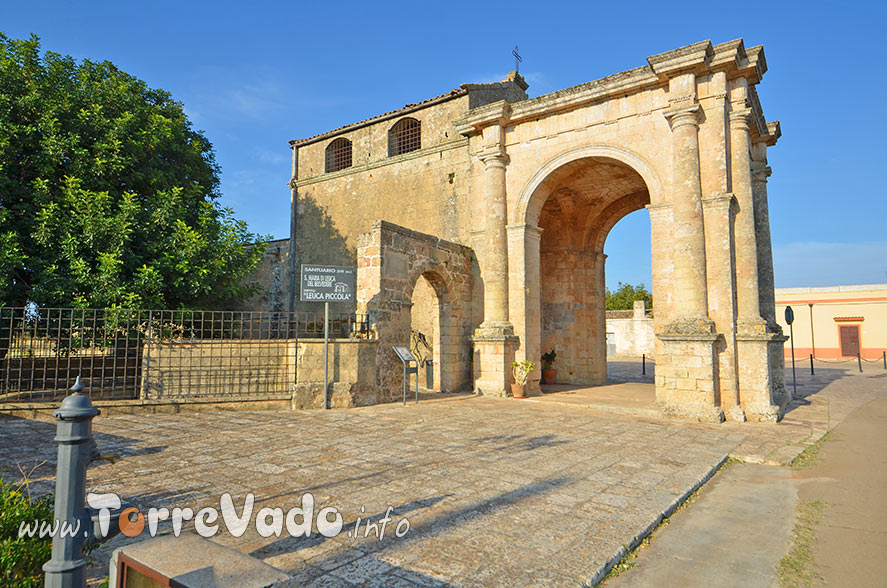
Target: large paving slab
[
  {"x": 734, "y": 534},
  {"x": 498, "y": 492}
]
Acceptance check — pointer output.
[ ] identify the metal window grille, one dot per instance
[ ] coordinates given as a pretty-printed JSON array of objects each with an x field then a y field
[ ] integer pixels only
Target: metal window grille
[
  {"x": 405, "y": 136},
  {"x": 156, "y": 354},
  {"x": 338, "y": 155}
]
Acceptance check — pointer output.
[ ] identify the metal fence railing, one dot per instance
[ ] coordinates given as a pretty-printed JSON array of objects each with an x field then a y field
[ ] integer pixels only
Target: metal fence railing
[{"x": 154, "y": 354}]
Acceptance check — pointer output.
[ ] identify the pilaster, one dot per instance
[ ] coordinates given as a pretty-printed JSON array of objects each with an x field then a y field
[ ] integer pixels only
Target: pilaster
[
  {"x": 766, "y": 283},
  {"x": 719, "y": 210},
  {"x": 523, "y": 298},
  {"x": 749, "y": 319},
  {"x": 753, "y": 340}
]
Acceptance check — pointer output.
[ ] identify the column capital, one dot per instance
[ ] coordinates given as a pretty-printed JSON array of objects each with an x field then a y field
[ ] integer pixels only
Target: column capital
[
  {"x": 723, "y": 201},
  {"x": 741, "y": 119},
  {"x": 493, "y": 158},
  {"x": 531, "y": 230},
  {"x": 760, "y": 171},
  {"x": 679, "y": 116}
]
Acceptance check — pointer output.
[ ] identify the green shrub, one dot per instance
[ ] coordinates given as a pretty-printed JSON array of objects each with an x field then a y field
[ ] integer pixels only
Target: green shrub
[{"x": 21, "y": 559}]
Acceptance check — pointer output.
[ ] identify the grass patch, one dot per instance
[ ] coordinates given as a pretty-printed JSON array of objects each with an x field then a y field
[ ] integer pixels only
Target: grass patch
[
  {"x": 794, "y": 571},
  {"x": 809, "y": 456}
]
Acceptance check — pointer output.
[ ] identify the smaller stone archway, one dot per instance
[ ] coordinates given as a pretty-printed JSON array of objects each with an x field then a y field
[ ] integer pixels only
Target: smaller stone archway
[
  {"x": 442, "y": 316},
  {"x": 391, "y": 262}
]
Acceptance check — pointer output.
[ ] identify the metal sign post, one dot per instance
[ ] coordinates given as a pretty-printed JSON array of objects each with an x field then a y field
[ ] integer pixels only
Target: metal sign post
[
  {"x": 326, "y": 354},
  {"x": 406, "y": 357},
  {"x": 327, "y": 283},
  {"x": 789, "y": 319}
]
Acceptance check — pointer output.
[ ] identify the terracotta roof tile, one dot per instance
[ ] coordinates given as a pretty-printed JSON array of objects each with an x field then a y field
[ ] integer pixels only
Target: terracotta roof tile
[{"x": 391, "y": 114}]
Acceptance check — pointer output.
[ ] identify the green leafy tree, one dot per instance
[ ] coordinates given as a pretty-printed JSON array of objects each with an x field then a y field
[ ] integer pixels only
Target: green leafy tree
[
  {"x": 626, "y": 294},
  {"x": 22, "y": 558},
  {"x": 108, "y": 195}
]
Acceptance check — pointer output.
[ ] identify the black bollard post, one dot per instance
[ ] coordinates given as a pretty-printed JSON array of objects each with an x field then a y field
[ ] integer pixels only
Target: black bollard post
[
  {"x": 811, "y": 365},
  {"x": 643, "y": 364},
  {"x": 859, "y": 361},
  {"x": 884, "y": 357},
  {"x": 73, "y": 434}
]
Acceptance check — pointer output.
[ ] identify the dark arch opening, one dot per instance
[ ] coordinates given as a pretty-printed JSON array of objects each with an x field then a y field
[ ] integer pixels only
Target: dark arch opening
[{"x": 583, "y": 200}]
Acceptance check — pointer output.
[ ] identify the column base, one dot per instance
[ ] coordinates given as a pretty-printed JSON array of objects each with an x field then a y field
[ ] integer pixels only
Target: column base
[
  {"x": 754, "y": 327},
  {"x": 762, "y": 400},
  {"x": 735, "y": 414},
  {"x": 692, "y": 411},
  {"x": 686, "y": 372},
  {"x": 781, "y": 395},
  {"x": 764, "y": 413},
  {"x": 494, "y": 345}
]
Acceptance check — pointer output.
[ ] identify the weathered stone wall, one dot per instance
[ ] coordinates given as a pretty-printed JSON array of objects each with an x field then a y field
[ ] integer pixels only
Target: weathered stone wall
[
  {"x": 391, "y": 260},
  {"x": 202, "y": 368},
  {"x": 271, "y": 279}
]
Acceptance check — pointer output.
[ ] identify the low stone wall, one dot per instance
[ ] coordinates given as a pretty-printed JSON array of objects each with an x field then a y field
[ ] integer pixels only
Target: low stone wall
[{"x": 251, "y": 369}]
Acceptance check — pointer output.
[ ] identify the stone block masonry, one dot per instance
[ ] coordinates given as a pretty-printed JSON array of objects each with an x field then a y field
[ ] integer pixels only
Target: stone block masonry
[{"x": 503, "y": 203}]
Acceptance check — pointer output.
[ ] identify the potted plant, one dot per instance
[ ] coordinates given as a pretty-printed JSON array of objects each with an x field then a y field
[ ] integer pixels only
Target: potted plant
[
  {"x": 548, "y": 373},
  {"x": 521, "y": 371}
]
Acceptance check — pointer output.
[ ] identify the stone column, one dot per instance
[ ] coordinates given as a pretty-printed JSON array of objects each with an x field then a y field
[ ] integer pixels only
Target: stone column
[
  {"x": 691, "y": 311},
  {"x": 496, "y": 255},
  {"x": 749, "y": 319},
  {"x": 686, "y": 372},
  {"x": 494, "y": 340},
  {"x": 766, "y": 296}
]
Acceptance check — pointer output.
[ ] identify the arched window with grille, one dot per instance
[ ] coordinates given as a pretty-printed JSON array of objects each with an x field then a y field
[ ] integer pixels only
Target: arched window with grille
[
  {"x": 338, "y": 155},
  {"x": 404, "y": 136}
]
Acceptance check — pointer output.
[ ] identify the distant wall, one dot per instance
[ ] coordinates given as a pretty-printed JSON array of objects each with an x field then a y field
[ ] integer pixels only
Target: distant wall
[
  {"x": 271, "y": 278},
  {"x": 630, "y": 333},
  {"x": 821, "y": 312}
]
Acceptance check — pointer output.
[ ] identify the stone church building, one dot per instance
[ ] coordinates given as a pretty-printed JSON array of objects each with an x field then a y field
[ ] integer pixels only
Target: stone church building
[{"x": 492, "y": 209}]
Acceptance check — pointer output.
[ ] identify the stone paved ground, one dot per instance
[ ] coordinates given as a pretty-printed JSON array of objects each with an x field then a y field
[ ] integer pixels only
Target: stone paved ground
[{"x": 498, "y": 492}]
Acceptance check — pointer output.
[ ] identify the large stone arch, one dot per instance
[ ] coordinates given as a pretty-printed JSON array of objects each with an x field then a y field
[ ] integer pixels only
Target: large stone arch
[
  {"x": 562, "y": 218},
  {"x": 530, "y": 201},
  {"x": 689, "y": 123}
]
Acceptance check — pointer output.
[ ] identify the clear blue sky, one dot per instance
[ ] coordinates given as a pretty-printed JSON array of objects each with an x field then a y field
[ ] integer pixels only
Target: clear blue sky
[{"x": 254, "y": 75}]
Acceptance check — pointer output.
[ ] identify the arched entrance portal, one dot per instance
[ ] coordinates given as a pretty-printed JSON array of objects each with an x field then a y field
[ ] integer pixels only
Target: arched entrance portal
[
  {"x": 580, "y": 202},
  {"x": 425, "y": 328}
]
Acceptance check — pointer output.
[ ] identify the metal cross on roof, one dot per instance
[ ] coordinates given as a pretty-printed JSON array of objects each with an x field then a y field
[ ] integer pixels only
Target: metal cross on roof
[{"x": 517, "y": 59}]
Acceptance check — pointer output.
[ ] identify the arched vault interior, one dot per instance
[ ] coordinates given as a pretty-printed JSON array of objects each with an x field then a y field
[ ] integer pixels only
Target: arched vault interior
[{"x": 576, "y": 206}]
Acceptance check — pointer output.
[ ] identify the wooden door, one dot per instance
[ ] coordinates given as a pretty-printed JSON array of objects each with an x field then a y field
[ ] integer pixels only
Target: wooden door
[{"x": 849, "y": 340}]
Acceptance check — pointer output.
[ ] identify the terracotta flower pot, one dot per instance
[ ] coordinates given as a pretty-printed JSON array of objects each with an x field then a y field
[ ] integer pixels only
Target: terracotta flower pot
[
  {"x": 548, "y": 376},
  {"x": 518, "y": 391}
]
